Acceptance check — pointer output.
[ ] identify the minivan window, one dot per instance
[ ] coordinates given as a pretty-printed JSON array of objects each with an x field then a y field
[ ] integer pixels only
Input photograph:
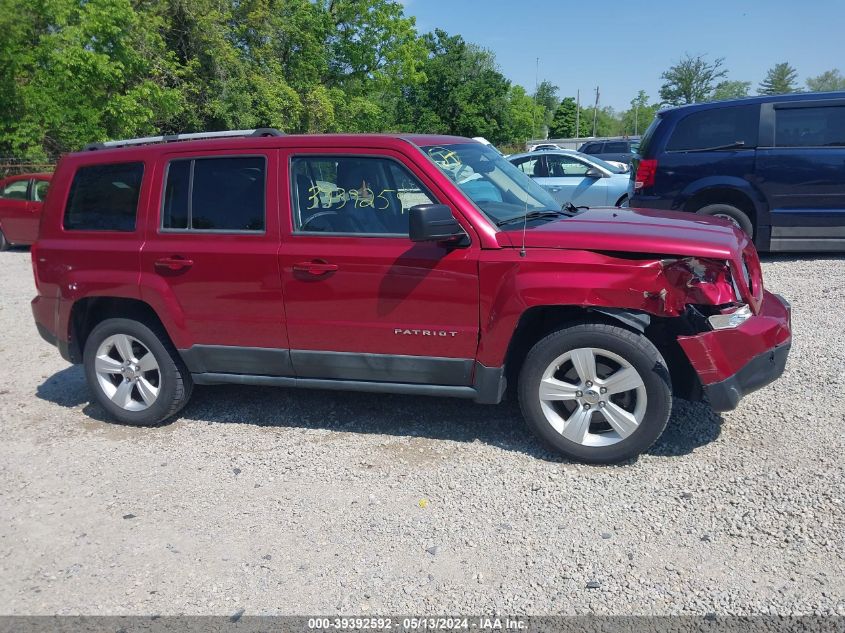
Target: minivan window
[
  {"x": 648, "y": 135},
  {"x": 810, "y": 127},
  {"x": 619, "y": 147},
  {"x": 215, "y": 194},
  {"x": 716, "y": 128},
  {"x": 593, "y": 148},
  {"x": 104, "y": 198}
]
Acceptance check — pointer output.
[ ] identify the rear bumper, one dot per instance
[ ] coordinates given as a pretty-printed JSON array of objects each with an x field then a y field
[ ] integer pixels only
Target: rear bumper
[
  {"x": 733, "y": 362},
  {"x": 640, "y": 201},
  {"x": 45, "y": 313}
]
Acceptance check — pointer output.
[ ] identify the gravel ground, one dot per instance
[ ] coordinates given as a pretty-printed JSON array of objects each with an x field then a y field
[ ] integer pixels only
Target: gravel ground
[{"x": 281, "y": 501}]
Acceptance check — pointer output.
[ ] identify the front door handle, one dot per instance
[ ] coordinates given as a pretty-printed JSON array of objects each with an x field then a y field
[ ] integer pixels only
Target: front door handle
[
  {"x": 317, "y": 267},
  {"x": 175, "y": 263}
]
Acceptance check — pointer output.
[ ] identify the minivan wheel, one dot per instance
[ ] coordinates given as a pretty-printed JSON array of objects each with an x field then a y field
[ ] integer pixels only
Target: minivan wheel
[
  {"x": 596, "y": 393},
  {"x": 4, "y": 243},
  {"x": 135, "y": 373},
  {"x": 728, "y": 212}
]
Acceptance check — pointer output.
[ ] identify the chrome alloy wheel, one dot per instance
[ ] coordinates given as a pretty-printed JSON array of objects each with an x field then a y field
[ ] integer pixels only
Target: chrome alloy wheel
[
  {"x": 127, "y": 372},
  {"x": 593, "y": 397}
]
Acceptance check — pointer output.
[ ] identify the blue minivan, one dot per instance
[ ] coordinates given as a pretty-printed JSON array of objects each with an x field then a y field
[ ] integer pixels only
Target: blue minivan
[{"x": 772, "y": 165}]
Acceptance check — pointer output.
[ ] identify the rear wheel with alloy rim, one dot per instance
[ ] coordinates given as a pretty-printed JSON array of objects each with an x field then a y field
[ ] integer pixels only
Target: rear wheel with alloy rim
[
  {"x": 134, "y": 372},
  {"x": 735, "y": 216},
  {"x": 597, "y": 393}
]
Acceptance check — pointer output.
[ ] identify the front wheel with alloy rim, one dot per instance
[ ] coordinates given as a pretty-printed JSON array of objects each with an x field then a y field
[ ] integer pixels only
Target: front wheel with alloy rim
[
  {"x": 135, "y": 373},
  {"x": 596, "y": 393}
]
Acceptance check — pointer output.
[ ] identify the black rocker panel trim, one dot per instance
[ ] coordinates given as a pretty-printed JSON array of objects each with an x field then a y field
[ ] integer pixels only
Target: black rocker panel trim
[
  {"x": 386, "y": 373},
  {"x": 229, "y": 359},
  {"x": 382, "y": 367}
]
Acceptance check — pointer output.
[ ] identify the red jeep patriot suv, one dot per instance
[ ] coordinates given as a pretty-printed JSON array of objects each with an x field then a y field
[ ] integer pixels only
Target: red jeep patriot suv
[{"x": 424, "y": 265}]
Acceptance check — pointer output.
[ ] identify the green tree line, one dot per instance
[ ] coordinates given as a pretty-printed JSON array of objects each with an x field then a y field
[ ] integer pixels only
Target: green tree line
[
  {"x": 696, "y": 78},
  {"x": 76, "y": 71}
]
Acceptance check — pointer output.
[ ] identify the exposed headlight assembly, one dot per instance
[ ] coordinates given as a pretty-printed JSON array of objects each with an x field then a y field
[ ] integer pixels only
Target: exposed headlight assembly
[{"x": 729, "y": 320}]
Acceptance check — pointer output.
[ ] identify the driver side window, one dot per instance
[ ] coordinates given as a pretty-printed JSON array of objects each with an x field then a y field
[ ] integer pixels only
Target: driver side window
[
  {"x": 356, "y": 195},
  {"x": 565, "y": 166}
]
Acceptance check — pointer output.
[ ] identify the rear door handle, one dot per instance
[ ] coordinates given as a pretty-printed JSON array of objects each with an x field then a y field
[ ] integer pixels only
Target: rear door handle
[
  {"x": 315, "y": 268},
  {"x": 177, "y": 262}
]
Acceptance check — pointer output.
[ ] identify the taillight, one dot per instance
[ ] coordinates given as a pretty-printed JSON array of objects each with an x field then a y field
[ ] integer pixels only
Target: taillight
[{"x": 646, "y": 171}]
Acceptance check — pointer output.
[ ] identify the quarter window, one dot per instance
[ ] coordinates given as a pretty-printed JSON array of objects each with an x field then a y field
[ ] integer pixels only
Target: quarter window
[
  {"x": 716, "y": 128},
  {"x": 810, "y": 127},
  {"x": 104, "y": 198},
  {"x": 39, "y": 190},
  {"x": 353, "y": 194},
  {"x": 215, "y": 194},
  {"x": 15, "y": 190}
]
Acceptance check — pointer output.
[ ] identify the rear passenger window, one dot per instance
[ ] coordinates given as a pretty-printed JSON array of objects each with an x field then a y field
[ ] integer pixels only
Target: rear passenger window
[
  {"x": 15, "y": 190},
  {"x": 104, "y": 198},
  {"x": 810, "y": 127},
  {"x": 615, "y": 148},
  {"x": 716, "y": 128},
  {"x": 215, "y": 194}
]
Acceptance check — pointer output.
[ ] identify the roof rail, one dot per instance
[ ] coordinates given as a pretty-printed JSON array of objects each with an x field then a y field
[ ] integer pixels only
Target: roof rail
[{"x": 193, "y": 136}]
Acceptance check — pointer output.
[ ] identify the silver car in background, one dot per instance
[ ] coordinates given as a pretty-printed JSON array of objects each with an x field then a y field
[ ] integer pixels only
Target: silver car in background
[{"x": 577, "y": 178}]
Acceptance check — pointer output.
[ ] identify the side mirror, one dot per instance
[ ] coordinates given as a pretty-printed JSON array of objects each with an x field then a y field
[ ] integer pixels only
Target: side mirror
[
  {"x": 433, "y": 223},
  {"x": 594, "y": 172}
]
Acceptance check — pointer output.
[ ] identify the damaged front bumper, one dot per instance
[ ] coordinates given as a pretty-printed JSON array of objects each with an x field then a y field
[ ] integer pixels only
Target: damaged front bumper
[{"x": 736, "y": 361}]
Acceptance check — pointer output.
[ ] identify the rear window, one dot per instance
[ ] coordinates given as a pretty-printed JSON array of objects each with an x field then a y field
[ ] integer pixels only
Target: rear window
[
  {"x": 810, "y": 127},
  {"x": 215, "y": 194},
  {"x": 104, "y": 198},
  {"x": 648, "y": 136},
  {"x": 716, "y": 128}
]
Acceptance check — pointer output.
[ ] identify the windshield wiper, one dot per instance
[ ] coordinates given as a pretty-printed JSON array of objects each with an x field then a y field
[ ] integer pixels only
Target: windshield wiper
[
  {"x": 736, "y": 145},
  {"x": 574, "y": 210},
  {"x": 533, "y": 215}
]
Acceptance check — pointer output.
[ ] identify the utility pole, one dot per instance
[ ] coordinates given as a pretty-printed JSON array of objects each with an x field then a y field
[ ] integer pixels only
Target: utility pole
[
  {"x": 596, "y": 111},
  {"x": 578, "y": 113},
  {"x": 636, "y": 118},
  {"x": 536, "y": 90}
]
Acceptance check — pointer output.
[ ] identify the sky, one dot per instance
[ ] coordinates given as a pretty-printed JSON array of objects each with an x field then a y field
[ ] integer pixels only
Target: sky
[{"x": 623, "y": 47}]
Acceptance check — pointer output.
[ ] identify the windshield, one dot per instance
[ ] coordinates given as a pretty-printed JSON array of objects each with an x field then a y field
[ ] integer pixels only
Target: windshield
[
  {"x": 613, "y": 169},
  {"x": 500, "y": 190}
]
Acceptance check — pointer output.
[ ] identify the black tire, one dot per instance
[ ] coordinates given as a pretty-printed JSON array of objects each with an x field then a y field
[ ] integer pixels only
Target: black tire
[
  {"x": 634, "y": 348},
  {"x": 738, "y": 216},
  {"x": 4, "y": 243},
  {"x": 175, "y": 384}
]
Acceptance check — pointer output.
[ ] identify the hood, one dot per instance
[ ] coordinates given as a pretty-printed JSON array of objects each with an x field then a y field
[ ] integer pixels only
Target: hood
[{"x": 634, "y": 231}]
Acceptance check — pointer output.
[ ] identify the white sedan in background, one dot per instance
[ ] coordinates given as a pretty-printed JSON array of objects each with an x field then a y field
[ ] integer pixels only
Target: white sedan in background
[{"x": 577, "y": 178}]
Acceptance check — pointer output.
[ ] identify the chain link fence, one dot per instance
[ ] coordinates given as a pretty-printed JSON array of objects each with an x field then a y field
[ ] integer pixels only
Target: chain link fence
[{"x": 11, "y": 166}]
